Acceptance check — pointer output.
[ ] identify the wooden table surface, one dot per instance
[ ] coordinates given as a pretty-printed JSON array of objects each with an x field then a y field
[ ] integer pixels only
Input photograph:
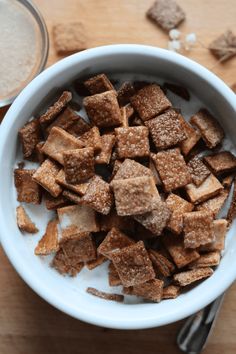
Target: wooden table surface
[{"x": 28, "y": 325}]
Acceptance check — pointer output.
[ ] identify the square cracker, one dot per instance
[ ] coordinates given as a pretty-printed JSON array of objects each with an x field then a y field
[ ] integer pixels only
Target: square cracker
[
  {"x": 78, "y": 165},
  {"x": 49, "y": 242},
  {"x": 58, "y": 142},
  {"x": 130, "y": 169},
  {"x": 66, "y": 262},
  {"x": 151, "y": 290},
  {"x": 221, "y": 162},
  {"x": 132, "y": 142},
  {"x": 198, "y": 170},
  {"x": 103, "y": 109},
  {"x": 210, "y": 259},
  {"x": 219, "y": 229},
  {"x": 198, "y": 229},
  {"x": 108, "y": 141},
  {"x": 45, "y": 175},
  {"x": 171, "y": 292},
  {"x": 98, "y": 84},
  {"x": 191, "y": 276},
  {"x": 92, "y": 138},
  {"x": 210, "y": 129},
  {"x": 178, "y": 207},
  {"x": 28, "y": 191},
  {"x": 192, "y": 137},
  {"x": 77, "y": 188},
  {"x": 166, "y": 129},
  {"x": 214, "y": 205},
  {"x": 24, "y": 222},
  {"x": 150, "y": 101},
  {"x": 224, "y": 46},
  {"x": 161, "y": 264},
  {"x": 172, "y": 169},
  {"x": 30, "y": 136},
  {"x": 133, "y": 264}
]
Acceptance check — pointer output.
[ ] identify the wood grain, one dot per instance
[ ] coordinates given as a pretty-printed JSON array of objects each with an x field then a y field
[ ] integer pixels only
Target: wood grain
[{"x": 29, "y": 325}]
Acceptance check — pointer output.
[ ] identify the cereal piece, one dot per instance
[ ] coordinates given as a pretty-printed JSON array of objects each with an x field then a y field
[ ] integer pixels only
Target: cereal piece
[
  {"x": 198, "y": 229},
  {"x": 219, "y": 229},
  {"x": 24, "y": 222},
  {"x": 30, "y": 136},
  {"x": 133, "y": 264},
  {"x": 190, "y": 276},
  {"x": 58, "y": 142},
  {"x": 130, "y": 169},
  {"x": 45, "y": 175},
  {"x": 28, "y": 191},
  {"x": 227, "y": 181},
  {"x": 232, "y": 209},
  {"x": 125, "y": 119},
  {"x": 98, "y": 195},
  {"x": 155, "y": 220},
  {"x": 155, "y": 174},
  {"x": 67, "y": 263},
  {"x": 172, "y": 169},
  {"x": 178, "y": 206},
  {"x": 96, "y": 262},
  {"x": 132, "y": 142},
  {"x": 98, "y": 84},
  {"x": 198, "y": 170},
  {"x": 170, "y": 292},
  {"x": 193, "y": 136},
  {"x": 125, "y": 92},
  {"x": 224, "y": 46},
  {"x": 166, "y": 129},
  {"x": 108, "y": 141},
  {"x": 150, "y": 290},
  {"x": 210, "y": 129},
  {"x": 77, "y": 188},
  {"x": 150, "y": 101},
  {"x": 107, "y": 222},
  {"x": 210, "y": 259},
  {"x": 114, "y": 240},
  {"x": 69, "y": 37},
  {"x": 79, "y": 165},
  {"x": 105, "y": 296},
  {"x": 178, "y": 90},
  {"x": 135, "y": 195},
  {"x": 49, "y": 242},
  {"x": 82, "y": 246},
  {"x": 113, "y": 277},
  {"x": 55, "y": 203},
  {"x": 40, "y": 157},
  {"x": 103, "y": 109},
  {"x": 92, "y": 138},
  {"x": 181, "y": 256},
  {"x": 215, "y": 204},
  {"x": 71, "y": 196},
  {"x": 161, "y": 264},
  {"x": 221, "y": 162},
  {"x": 55, "y": 109},
  {"x": 208, "y": 189}
]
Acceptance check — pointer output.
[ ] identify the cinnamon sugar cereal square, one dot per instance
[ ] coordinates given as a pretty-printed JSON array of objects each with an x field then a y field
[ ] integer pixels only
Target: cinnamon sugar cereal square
[
  {"x": 98, "y": 84},
  {"x": 221, "y": 162},
  {"x": 219, "y": 229},
  {"x": 107, "y": 222},
  {"x": 133, "y": 264},
  {"x": 79, "y": 127},
  {"x": 103, "y": 109},
  {"x": 114, "y": 240},
  {"x": 105, "y": 296},
  {"x": 130, "y": 169},
  {"x": 191, "y": 276},
  {"x": 66, "y": 262},
  {"x": 161, "y": 264},
  {"x": 71, "y": 197},
  {"x": 210, "y": 129},
  {"x": 166, "y": 129},
  {"x": 178, "y": 207},
  {"x": 113, "y": 277},
  {"x": 170, "y": 292},
  {"x": 55, "y": 203},
  {"x": 125, "y": 92},
  {"x": 198, "y": 229},
  {"x": 192, "y": 136},
  {"x": 77, "y": 188},
  {"x": 58, "y": 142},
  {"x": 45, "y": 175},
  {"x": 150, "y": 101},
  {"x": 28, "y": 191},
  {"x": 108, "y": 141},
  {"x": 24, "y": 222},
  {"x": 172, "y": 169},
  {"x": 49, "y": 242},
  {"x": 150, "y": 290},
  {"x": 224, "y": 46},
  {"x": 30, "y": 136},
  {"x": 78, "y": 165},
  {"x": 69, "y": 38},
  {"x": 96, "y": 262},
  {"x": 214, "y": 205},
  {"x": 92, "y": 138},
  {"x": 210, "y": 259},
  {"x": 132, "y": 142},
  {"x": 98, "y": 195},
  {"x": 198, "y": 170},
  {"x": 208, "y": 189}
]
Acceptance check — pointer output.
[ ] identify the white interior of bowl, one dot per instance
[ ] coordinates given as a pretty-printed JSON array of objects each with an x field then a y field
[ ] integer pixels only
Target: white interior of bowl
[{"x": 68, "y": 294}]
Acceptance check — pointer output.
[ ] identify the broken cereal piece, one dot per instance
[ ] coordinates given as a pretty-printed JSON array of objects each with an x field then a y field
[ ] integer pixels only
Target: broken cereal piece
[
  {"x": 224, "y": 47},
  {"x": 232, "y": 209},
  {"x": 24, "y": 222},
  {"x": 30, "y": 136},
  {"x": 210, "y": 259},
  {"x": 113, "y": 277},
  {"x": 178, "y": 207},
  {"x": 193, "y": 136},
  {"x": 198, "y": 170},
  {"x": 105, "y": 296},
  {"x": 45, "y": 175},
  {"x": 69, "y": 38},
  {"x": 71, "y": 196},
  {"x": 221, "y": 162},
  {"x": 55, "y": 203},
  {"x": 130, "y": 169},
  {"x": 190, "y": 276},
  {"x": 219, "y": 229},
  {"x": 77, "y": 188},
  {"x": 214, "y": 205},
  {"x": 161, "y": 264},
  {"x": 208, "y": 189},
  {"x": 150, "y": 101},
  {"x": 98, "y": 84},
  {"x": 79, "y": 165},
  {"x": 178, "y": 90},
  {"x": 150, "y": 290},
  {"x": 92, "y": 138},
  {"x": 108, "y": 141},
  {"x": 96, "y": 262},
  {"x": 49, "y": 241},
  {"x": 210, "y": 129},
  {"x": 170, "y": 292},
  {"x": 107, "y": 222},
  {"x": 114, "y": 240},
  {"x": 28, "y": 191},
  {"x": 125, "y": 92},
  {"x": 132, "y": 142},
  {"x": 103, "y": 109},
  {"x": 133, "y": 264}
]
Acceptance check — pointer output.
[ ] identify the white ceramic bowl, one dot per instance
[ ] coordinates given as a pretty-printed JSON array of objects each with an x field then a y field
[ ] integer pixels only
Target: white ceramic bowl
[{"x": 69, "y": 295}]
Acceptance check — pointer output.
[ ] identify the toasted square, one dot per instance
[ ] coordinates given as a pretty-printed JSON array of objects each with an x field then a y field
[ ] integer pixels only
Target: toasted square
[
  {"x": 166, "y": 129},
  {"x": 166, "y": 13},
  {"x": 133, "y": 264},
  {"x": 67, "y": 263},
  {"x": 210, "y": 259},
  {"x": 193, "y": 136},
  {"x": 98, "y": 84},
  {"x": 219, "y": 229},
  {"x": 92, "y": 138},
  {"x": 150, "y": 290},
  {"x": 178, "y": 207},
  {"x": 172, "y": 169},
  {"x": 170, "y": 292},
  {"x": 161, "y": 264},
  {"x": 113, "y": 277},
  {"x": 224, "y": 46},
  {"x": 30, "y": 136},
  {"x": 55, "y": 203},
  {"x": 177, "y": 90},
  {"x": 232, "y": 209},
  {"x": 45, "y": 175},
  {"x": 132, "y": 142},
  {"x": 103, "y": 109},
  {"x": 28, "y": 191},
  {"x": 150, "y": 101},
  {"x": 58, "y": 142},
  {"x": 79, "y": 165},
  {"x": 125, "y": 92},
  {"x": 98, "y": 195},
  {"x": 191, "y": 276},
  {"x": 214, "y": 205},
  {"x": 108, "y": 141},
  {"x": 71, "y": 197},
  {"x": 114, "y": 240},
  {"x": 198, "y": 229},
  {"x": 107, "y": 222},
  {"x": 77, "y": 188},
  {"x": 198, "y": 170},
  {"x": 77, "y": 219},
  {"x": 105, "y": 296},
  {"x": 24, "y": 222},
  {"x": 49, "y": 242},
  {"x": 210, "y": 129},
  {"x": 130, "y": 169},
  {"x": 69, "y": 37},
  {"x": 96, "y": 262},
  {"x": 55, "y": 109},
  {"x": 155, "y": 220},
  {"x": 208, "y": 189},
  {"x": 82, "y": 246},
  {"x": 221, "y": 162},
  {"x": 135, "y": 195}
]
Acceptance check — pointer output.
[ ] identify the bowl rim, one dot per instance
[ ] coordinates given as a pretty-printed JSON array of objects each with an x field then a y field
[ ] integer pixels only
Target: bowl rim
[{"x": 26, "y": 273}]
